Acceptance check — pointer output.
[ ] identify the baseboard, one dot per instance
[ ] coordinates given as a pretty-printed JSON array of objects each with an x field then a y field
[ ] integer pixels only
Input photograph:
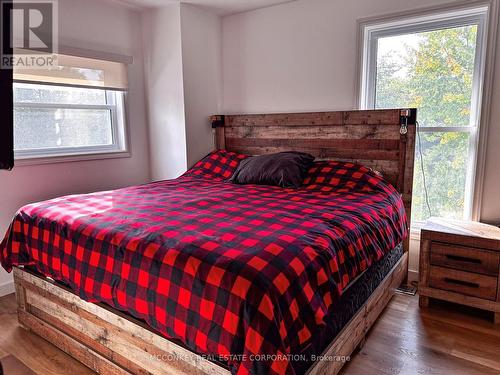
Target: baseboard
[
  {"x": 6, "y": 288},
  {"x": 412, "y": 275}
]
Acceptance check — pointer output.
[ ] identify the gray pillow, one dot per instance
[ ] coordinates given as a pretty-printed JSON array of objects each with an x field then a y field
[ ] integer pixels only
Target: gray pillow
[{"x": 285, "y": 169}]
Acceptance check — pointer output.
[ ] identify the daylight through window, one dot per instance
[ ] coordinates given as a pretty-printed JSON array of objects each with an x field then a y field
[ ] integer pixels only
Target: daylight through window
[
  {"x": 435, "y": 66},
  {"x": 75, "y": 109}
]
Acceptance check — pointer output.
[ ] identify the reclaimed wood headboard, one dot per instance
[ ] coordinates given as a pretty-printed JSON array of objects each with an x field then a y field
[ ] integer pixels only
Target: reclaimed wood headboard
[{"x": 374, "y": 138}]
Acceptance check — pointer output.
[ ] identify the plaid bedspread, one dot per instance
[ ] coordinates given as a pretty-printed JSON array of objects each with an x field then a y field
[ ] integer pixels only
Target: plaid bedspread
[{"x": 243, "y": 272}]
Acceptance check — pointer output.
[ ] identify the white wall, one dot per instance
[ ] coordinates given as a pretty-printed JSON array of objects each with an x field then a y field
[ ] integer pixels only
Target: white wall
[
  {"x": 164, "y": 91},
  {"x": 100, "y": 26},
  {"x": 297, "y": 56},
  {"x": 301, "y": 56},
  {"x": 202, "y": 69},
  {"x": 182, "y": 45}
]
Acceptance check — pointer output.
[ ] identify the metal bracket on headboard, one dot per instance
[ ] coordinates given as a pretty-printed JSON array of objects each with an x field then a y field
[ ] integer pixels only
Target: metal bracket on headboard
[
  {"x": 407, "y": 116},
  {"x": 218, "y": 121}
]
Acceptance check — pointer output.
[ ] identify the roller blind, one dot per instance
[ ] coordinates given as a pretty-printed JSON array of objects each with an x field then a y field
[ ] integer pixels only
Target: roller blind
[{"x": 77, "y": 71}]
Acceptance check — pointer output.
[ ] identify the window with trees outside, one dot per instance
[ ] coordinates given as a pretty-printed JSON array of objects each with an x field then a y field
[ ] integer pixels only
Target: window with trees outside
[
  {"x": 73, "y": 110},
  {"x": 435, "y": 64}
]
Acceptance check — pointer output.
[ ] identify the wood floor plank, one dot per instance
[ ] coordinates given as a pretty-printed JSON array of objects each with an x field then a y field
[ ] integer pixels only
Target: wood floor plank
[
  {"x": 441, "y": 339},
  {"x": 13, "y": 366}
]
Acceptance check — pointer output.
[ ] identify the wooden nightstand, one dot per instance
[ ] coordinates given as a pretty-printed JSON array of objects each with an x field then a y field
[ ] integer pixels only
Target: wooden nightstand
[{"x": 460, "y": 262}]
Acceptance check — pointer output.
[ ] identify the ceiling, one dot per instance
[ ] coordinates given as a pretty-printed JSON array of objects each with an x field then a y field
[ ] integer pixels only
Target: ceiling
[{"x": 221, "y": 7}]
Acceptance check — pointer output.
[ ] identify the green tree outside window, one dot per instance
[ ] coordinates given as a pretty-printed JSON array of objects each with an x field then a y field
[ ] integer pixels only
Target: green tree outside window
[{"x": 433, "y": 71}]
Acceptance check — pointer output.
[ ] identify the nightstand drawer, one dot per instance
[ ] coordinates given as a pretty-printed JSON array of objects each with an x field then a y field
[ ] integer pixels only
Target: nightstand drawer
[
  {"x": 468, "y": 283},
  {"x": 464, "y": 258}
]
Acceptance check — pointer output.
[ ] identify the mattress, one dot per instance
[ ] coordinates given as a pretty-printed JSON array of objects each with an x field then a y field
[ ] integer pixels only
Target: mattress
[{"x": 246, "y": 274}]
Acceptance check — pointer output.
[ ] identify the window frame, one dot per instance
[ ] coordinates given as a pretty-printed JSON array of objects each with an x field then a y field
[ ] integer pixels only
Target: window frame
[
  {"x": 115, "y": 103},
  {"x": 477, "y": 13}
]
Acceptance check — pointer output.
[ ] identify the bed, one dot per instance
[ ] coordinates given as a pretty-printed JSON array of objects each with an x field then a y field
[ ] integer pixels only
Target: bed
[{"x": 198, "y": 275}]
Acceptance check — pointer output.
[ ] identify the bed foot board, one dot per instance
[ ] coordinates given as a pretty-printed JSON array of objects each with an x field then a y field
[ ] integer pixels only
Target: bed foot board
[
  {"x": 106, "y": 341},
  {"x": 110, "y": 342}
]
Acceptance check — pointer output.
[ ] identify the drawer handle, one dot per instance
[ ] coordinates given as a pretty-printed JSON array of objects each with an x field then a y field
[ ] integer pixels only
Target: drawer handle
[
  {"x": 461, "y": 282},
  {"x": 458, "y": 258}
]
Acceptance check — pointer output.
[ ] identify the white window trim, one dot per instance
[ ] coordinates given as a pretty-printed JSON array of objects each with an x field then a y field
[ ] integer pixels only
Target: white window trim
[
  {"x": 426, "y": 16},
  {"x": 119, "y": 129},
  {"x": 91, "y": 154},
  {"x": 448, "y": 19}
]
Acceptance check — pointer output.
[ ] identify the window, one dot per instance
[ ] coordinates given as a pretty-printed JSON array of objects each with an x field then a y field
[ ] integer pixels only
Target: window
[
  {"x": 71, "y": 110},
  {"x": 436, "y": 64}
]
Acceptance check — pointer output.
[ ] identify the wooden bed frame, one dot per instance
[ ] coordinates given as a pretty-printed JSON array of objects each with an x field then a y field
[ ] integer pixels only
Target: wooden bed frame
[{"x": 111, "y": 342}]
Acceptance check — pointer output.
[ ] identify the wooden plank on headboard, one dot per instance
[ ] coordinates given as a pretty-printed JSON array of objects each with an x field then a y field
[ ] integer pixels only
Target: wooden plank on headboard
[{"x": 371, "y": 138}]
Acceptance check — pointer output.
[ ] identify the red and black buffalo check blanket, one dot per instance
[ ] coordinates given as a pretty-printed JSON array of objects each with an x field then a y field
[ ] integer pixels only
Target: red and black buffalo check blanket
[{"x": 245, "y": 273}]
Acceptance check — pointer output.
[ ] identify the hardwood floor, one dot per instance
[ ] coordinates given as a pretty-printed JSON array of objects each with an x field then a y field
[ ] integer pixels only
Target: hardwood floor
[
  {"x": 36, "y": 353},
  {"x": 442, "y": 339}
]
